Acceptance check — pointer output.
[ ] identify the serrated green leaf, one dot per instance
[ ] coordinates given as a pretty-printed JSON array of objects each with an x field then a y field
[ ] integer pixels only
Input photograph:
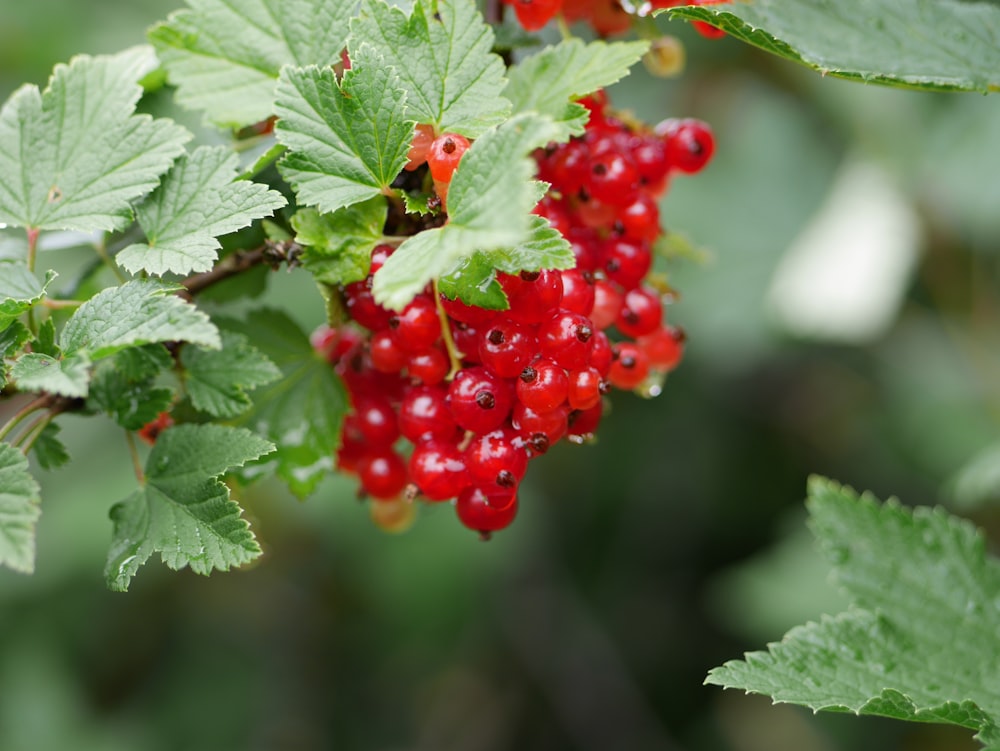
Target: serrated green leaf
[
  {"x": 489, "y": 202},
  {"x": 184, "y": 512},
  {"x": 19, "y": 511},
  {"x": 347, "y": 141},
  {"x": 302, "y": 412},
  {"x": 130, "y": 403},
  {"x": 442, "y": 53},
  {"x": 217, "y": 381},
  {"x": 927, "y": 44},
  {"x": 475, "y": 283},
  {"x": 550, "y": 80},
  {"x": 197, "y": 201},
  {"x": 45, "y": 341},
  {"x": 338, "y": 246},
  {"x": 921, "y": 643},
  {"x": 417, "y": 203},
  {"x": 13, "y": 338},
  {"x": 224, "y": 55},
  {"x": 133, "y": 314},
  {"x": 48, "y": 450},
  {"x": 142, "y": 363},
  {"x": 19, "y": 290},
  {"x": 75, "y": 156},
  {"x": 67, "y": 376}
]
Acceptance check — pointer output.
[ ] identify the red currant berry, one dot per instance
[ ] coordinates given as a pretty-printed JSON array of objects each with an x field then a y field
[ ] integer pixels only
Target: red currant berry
[
  {"x": 506, "y": 347},
  {"x": 532, "y": 296},
  {"x": 438, "y": 470},
  {"x": 485, "y": 513},
  {"x": 542, "y": 386},
  {"x": 627, "y": 263},
  {"x": 608, "y": 302},
  {"x": 534, "y": 14},
  {"x": 387, "y": 356},
  {"x": 376, "y": 421},
  {"x": 479, "y": 400},
  {"x": 585, "y": 387},
  {"x": 664, "y": 347},
  {"x": 428, "y": 367},
  {"x": 444, "y": 155},
  {"x": 383, "y": 474},
  {"x": 420, "y": 147},
  {"x": 630, "y": 367},
  {"x": 424, "y": 415},
  {"x": 641, "y": 313},
  {"x": 497, "y": 459},
  {"x": 689, "y": 143},
  {"x": 418, "y": 327},
  {"x": 578, "y": 291},
  {"x": 566, "y": 339}
]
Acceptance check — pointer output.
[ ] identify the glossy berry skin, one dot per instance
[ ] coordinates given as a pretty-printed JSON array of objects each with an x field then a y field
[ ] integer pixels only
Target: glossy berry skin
[
  {"x": 608, "y": 303},
  {"x": 578, "y": 291},
  {"x": 444, "y": 155},
  {"x": 542, "y": 386},
  {"x": 664, "y": 347},
  {"x": 506, "y": 347},
  {"x": 363, "y": 309},
  {"x": 376, "y": 422},
  {"x": 627, "y": 262},
  {"x": 552, "y": 425},
  {"x": 630, "y": 367},
  {"x": 424, "y": 415},
  {"x": 423, "y": 137},
  {"x": 585, "y": 388},
  {"x": 532, "y": 296},
  {"x": 417, "y": 327},
  {"x": 497, "y": 459},
  {"x": 566, "y": 339},
  {"x": 386, "y": 355},
  {"x": 613, "y": 179},
  {"x": 641, "y": 312},
  {"x": 479, "y": 400},
  {"x": 428, "y": 367},
  {"x": 689, "y": 143},
  {"x": 438, "y": 469},
  {"x": 383, "y": 474},
  {"x": 485, "y": 513}
]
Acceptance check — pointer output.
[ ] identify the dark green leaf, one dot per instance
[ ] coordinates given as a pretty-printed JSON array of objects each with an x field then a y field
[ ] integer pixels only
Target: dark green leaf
[
  {"x": 217, "y": 380},
  {"x": 303, "y": 411},
  {"x": 130, "y": 403},
  {"x": 48, "y": 450},
  {"x": 338, "y": 246}
]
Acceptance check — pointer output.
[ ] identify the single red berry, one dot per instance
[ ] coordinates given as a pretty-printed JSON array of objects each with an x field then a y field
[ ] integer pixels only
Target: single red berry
[
  {"x": 485, "y": 512},
  {"x": 387, "y": 356},
  {"x": 613, "y": 179},
  {"x": 444, "y": 155},
  {"x": 424, "y": 415},
  {"x": 626, "y": 262},
  {"x": 542, "y": 386},
  {"x": 608, "y": 302},
  {"x": 534, "y": 14},
  {"x": 578, "y": 291},
  {"x": 438, "y": 469},
  {"x": 641, "y": 313},
  {"x": 584, "y": 388},
  {"x": 496, "y": 459},
  {"x": 417, "y": 327},
  {"x": 362, "y": 308},
  {"x": 664, "y": 347},
  {"x": 383, "y": 474},
  {"x": 630, "y": 367},
  {"x": 552, "y": 424},
  {"x": 566, "y": 339},
  {"x": 376, "y": 421},
  {"x": 479, "y": 400},
  {"x": 532, "y": 296},
  {"x": 505, "y": 347},
  {"x": 152, "y": 429},
  {"x": 428, "y": 367},
  {"x": 689, "y": 143}
]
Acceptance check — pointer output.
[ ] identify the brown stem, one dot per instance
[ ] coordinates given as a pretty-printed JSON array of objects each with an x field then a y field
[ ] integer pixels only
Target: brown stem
[{"x": 273, "y": 253}]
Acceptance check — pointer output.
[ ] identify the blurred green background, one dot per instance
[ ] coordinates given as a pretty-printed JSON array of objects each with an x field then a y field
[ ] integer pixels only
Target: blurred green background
[{"x": 675, "y": 543}]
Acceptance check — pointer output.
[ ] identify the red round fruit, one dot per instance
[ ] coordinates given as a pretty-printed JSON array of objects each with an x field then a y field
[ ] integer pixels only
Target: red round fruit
[
  {"x": 438, "y": 470},
  {"x": 479, "y": 400},
  {"x": 485, "y": 513}
]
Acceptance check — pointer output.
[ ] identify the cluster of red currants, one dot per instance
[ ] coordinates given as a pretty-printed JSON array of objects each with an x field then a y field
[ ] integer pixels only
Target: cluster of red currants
[
  {"x": 478, "y": 393},
  {"x": 606, "y": 17}
]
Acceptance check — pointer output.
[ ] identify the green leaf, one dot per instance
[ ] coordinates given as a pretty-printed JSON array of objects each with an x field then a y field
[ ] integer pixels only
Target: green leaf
[
  {"x": 68, "y": 376},
  {"x": 130, "y": 403},
  {"x": 302, "y": 412},
  {"x": 45, "y": 341},
  {"x": 13, "y": 338},
  {"x": 338, "y": 246},
  {"x": 224, "y": 55},
  {"x": 475, "y": 283},
  {"x": 549, "y": 81},
  {"x": 489, "y": 200},
  {"x": 184, "y": 511},
  {"x": 347, "y": 141},
  {"x": 920, "y": 643},
  {"x": 926, "y": 44},
  {"x": 19, "y": 511},
  {"x": 133, "y": 314},
  {"x": 217, "y": 380},
  {"x": 48, "y": 450},
  {"x": 141, "y": 363},
  {"x": 198, "y": 200},
  {"x": 19, "y": 290},
  {"x": 75, "y": 156},
  {"x": 442, "y": 53}
]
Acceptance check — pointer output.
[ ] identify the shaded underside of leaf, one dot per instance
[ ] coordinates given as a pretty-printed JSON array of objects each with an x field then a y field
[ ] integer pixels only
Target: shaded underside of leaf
[
  {"x": 931, "y": 44},
  {"x": 19, "y": 511}
]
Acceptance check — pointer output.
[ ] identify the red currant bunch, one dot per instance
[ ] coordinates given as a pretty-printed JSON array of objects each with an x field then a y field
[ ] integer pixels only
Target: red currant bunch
[{"x": 451, "y": 402}]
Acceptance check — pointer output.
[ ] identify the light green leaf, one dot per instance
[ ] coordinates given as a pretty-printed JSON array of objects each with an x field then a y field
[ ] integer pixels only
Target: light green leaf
[
  {"x": 302, "y": 413},
  {"x": 184, "y": 511},
  {"x": 37, "y": 372},
  {"x": 217, "y": 380},
  {"x": 133, "y": 314},
  {"x": 347, "y": 141},
  {"x": 75, "y": 156},
  {"x": 19, "y": 290},
  {"x": 19, "y": 511},
  {"x": 338, "y": 246},
  {"x": 224, "y": 55},
  {"x": 198, "y": 200},
  {"x": 442, "y": 53},
  {"x": 920, "y": 643},
  {"x": 48, "y": 450},
  {"x": 550, "y": 80},
  {"x": 489, "y": 202},
  {"x": 927, "y": 44},
  {"x": 475, "y": 283},
  {"x": 45, "y": 341},
  {"x": 544, "y": 248}
]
